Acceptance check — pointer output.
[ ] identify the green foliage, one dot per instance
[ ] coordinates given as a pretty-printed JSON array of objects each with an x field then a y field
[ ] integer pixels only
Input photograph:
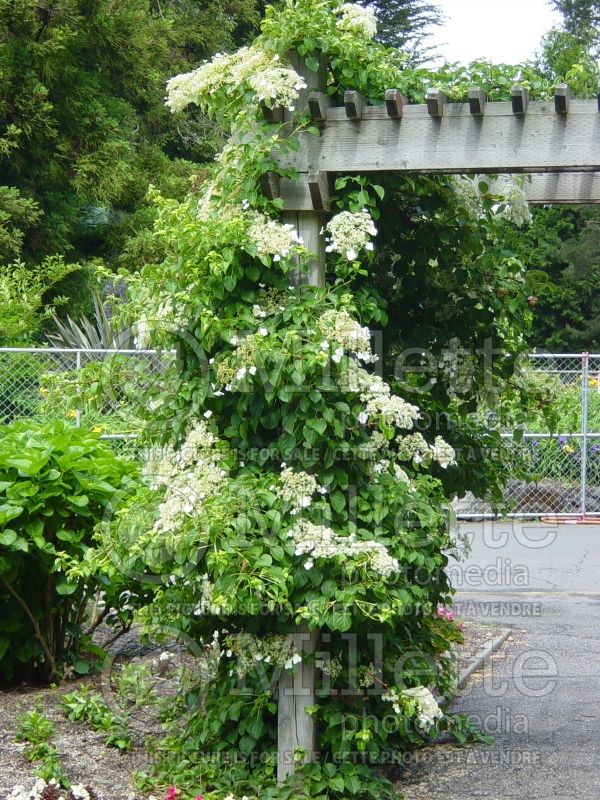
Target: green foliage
[
  {"x": 55, "y": 484},
  {"x": 22, "y": 291},
  {"x": 36, "y": 729},
  {"x": 405, "y": 24},
  {"x": 86, "y": 705}
]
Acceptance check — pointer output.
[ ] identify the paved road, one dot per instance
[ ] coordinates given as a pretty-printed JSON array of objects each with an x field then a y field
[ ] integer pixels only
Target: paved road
[{"x": 540, "y": 697}]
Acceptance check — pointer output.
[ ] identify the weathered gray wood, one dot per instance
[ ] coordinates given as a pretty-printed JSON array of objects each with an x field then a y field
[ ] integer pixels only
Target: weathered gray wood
[
  {"x": 477, "y": 100},
  {"x": 435, "y": 101},
  {"x": 272, "y": 114},
  {"x": 315, "y": 80},
  {"x": 318, "y": 187},
  {"x": 562, "y": 97},
  {"x": 501, "y": 142},
  {"x": 270, "y": 185},
  {"x": 561, "y": 188},
  {"x": 295, "y": 728},
  {"x": 520, "y": 99},
  {"x": 353, "y": 104},
  {"x": 394, "y": 103},
  {"x": 318, "y": 103}
]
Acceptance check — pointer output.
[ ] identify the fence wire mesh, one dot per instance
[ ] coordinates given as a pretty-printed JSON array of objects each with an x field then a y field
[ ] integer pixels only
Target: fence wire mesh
[
  {"x": 559, "y": 452},
  {"x": 101, "y": 390}
]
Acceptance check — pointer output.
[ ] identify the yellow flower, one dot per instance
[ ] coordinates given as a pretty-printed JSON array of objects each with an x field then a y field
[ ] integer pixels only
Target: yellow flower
[
  {"x": 72, "y": 413},
  {"x": 592, "y": 382},
  {"x": 43, "y": 391},
  {"x": 569, "y": 449},
  {"x": 98, "y": 429}
]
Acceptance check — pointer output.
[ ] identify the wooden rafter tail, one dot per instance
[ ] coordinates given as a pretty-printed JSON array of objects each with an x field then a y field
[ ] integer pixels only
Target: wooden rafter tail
[
  {"x": 272, "y": 114},
  {"x": 394, "y": 103},
  {"x": 598, "y": 96},
  {"x": 270, "y": 185},
  {"x": 562, "y": 98},
  {"x": 354, "y": 103},
  {"x": 477, "y": 101},
  {"x": 318, "y": 103},
  {"x": 318, "y": 186},
  {"x": 519, "y": 96},
  {"x": 436, "y": 100}
]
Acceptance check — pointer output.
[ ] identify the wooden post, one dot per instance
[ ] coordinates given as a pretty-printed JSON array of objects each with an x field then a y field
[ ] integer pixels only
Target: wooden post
[{"x": 296, "y": 730}]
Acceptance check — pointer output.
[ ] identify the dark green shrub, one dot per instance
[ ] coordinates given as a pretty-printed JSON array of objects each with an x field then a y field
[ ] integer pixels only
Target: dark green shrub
[{"x": 55, "y": 482}]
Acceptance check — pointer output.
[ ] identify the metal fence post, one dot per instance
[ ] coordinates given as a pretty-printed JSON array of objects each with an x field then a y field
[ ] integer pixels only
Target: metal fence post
[
  {"x": 585, "y": 387},
  {"x": 78, "y": 367}
]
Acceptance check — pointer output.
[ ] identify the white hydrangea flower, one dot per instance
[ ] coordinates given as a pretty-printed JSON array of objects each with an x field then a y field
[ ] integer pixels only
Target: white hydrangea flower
[
  {"x": 271, "y": 82},
  {"x": 376, "y": 394},
  {"x": 249, "y": 651},
  {"x": 340, "y": 327},
  {"x": 349, "y": 233},
  {"x": 468, "y": 195},
  {"x": 516, "y": 208},
  {"x": 443, "y": 453},
  {"x": 320, "y": 541},
  {"x": 273, "y": 238},
  {"x": 297, "y": 488},
  {"x": 427, "y": 708},
  {"x": 357, "y": 19}
]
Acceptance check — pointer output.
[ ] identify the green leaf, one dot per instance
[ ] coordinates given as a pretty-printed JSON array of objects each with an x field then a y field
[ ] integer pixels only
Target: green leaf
[
  {"x": 64, "y": 586},
  {"x": 8, "y": 537},
  {"x": 78, "y": 500},
  {"x": 8, "y": 512}
]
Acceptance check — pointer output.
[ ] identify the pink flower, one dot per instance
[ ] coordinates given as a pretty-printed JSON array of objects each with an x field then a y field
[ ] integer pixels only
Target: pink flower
[
  {"x": 172, "y": 793},
  {"x": 446, "y": 613}
]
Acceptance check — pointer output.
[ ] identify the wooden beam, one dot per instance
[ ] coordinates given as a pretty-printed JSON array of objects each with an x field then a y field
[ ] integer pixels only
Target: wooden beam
[
  {"x": 436, "y": 100},
  {"x": 272, "y": 114},
  {"x": 270, "y": 185},
  {"x": 394, "y": 102},
  {"x": 318, "y": 103},
  {"x": 520, "y": 99},
  {"x": 318, "y": 187},
  {"x": 477, "y": 100},
  {"x": 562, "y": 96},
  {"x": 500, "y": 142},
  {"x": 567, "y": 188},
  {"x": 354, "y": 104}
]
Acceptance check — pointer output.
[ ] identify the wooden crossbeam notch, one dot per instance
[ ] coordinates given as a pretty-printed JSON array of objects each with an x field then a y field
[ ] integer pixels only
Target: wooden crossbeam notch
[
  {"x": 562, "y": 96},
  {"x": 436, "y": 100},
  {"x": 477, "y": 100},
  {"x": 270, "y": 185},
  {"x": 318, "y": 186},
  {"x": 394, "y": 102},
  {"x": 318, "y": 103},
  {"x": 354, "y": 104},
  {"x": 519, "y": 96}
]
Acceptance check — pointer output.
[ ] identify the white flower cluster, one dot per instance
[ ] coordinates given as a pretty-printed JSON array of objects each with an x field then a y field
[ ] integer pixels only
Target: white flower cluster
[
  {"x": 270, "y": 81},
  {"x": 163, "y": 317},
  {"x": 319, "y": 541},
  {"x": 297, "y": 488},
  {"x": 190, "y": 475},
  {"x": 206, "y": 604},
  {"x": 516, "y": 209},
  {"x": 76, "y": 792},
  {"x": 468, "y": 195},
  {"x": 349, "y": 233},
  {"x": 277, "y": 86},
  {"x": 273, "y": 238},
  {"x": 427, "y": 708},
  {"x": 356, "y": 19},
  {"x": 347, "y": 333},
  {"x": 379, "y": 401},
  {"x": 415, "y": 448},
  {"x": 277, "y": 651},
  {"x": 443, "y": 453}
]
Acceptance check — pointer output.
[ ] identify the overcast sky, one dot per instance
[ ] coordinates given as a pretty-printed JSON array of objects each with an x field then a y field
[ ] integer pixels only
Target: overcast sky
[{"x": 507, "y": 31}]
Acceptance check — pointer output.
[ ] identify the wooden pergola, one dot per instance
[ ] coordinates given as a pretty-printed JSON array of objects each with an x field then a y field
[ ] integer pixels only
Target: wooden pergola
[{"x": 555, "y": 143}]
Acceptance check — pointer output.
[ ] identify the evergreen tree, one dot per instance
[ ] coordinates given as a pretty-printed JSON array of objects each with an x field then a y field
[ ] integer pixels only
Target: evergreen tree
[{"x": 405, "y": 24}]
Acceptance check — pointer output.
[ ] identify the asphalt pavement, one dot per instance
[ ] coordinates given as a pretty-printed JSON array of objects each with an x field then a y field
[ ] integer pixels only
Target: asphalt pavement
[{"x": 539, "y": 696}]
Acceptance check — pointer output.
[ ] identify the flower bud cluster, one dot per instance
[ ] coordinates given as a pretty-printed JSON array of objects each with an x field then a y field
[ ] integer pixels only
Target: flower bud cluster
[
  {"x": 297, "y": 488},
  {"x": 350, "y": 233},
  {"x": 357, "y": 19},
  {"x": 249, "y": 650}
]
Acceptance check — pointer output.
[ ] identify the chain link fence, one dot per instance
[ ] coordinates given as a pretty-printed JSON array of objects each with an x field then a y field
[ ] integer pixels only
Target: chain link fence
[
  {"x": 560, "y": 450},
  {"x": 100, "y": 390}
]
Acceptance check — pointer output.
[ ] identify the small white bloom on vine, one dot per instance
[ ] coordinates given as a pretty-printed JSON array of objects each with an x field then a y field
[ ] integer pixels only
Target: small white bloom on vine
[
  {"x": 207, "y": 414},
  {"x": 263, "y": 331}
]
